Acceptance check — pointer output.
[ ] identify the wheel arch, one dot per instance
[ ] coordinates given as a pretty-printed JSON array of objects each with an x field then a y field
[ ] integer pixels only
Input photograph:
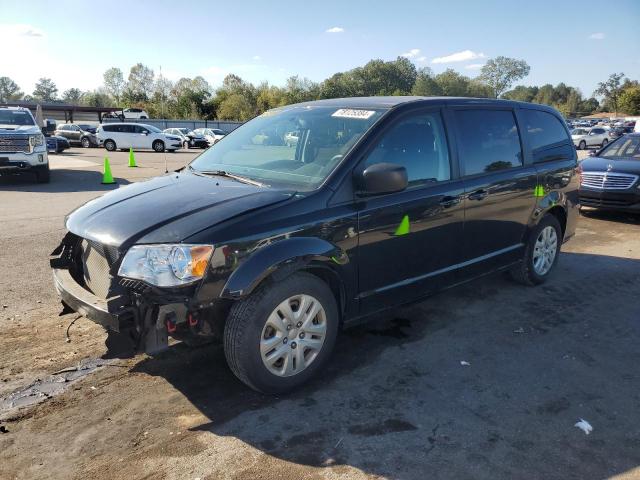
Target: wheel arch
[{"x": 277, "y": 261}]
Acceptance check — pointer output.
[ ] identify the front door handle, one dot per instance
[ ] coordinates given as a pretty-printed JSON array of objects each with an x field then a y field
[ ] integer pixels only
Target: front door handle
[
  {"x": 449, "y": 201},
  {"x": 478, "y": 194}
]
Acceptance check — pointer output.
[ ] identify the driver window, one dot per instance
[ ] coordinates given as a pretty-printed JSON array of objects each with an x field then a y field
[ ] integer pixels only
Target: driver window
[{"x": 418, "y": 143}]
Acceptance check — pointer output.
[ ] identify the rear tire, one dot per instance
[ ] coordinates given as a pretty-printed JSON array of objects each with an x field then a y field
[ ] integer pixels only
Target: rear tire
[
  {"x": 303, "y": 344},
  {"x": 527, "y": 272},
  {"x": 582, "y": 145},
  {"x": 604, "y": 142},
  {"x": 110, "y": 145},
  {"x": 158, "y": 146},
  {"x": 86, "y": 143}
]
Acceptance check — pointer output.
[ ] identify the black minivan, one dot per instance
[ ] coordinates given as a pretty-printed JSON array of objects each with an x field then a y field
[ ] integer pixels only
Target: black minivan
[{"x": 311, "y": 217}]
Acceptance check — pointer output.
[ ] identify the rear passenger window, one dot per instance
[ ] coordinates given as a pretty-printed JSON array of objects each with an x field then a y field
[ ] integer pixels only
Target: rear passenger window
[
  {"x": 544, "y": 129},
  {"x": 488, "y": 140},
  {"x": 109, "y": 128},
  {"x": 417, "y": 143}
]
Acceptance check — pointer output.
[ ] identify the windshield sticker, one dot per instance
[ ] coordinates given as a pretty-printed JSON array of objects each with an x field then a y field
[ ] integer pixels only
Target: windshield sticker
[{"x": 351, "y": 113}]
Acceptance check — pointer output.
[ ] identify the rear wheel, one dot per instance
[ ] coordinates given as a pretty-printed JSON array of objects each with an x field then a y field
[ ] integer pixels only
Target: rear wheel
[
  {"x": 282, "y": 334},
  {"x": 158, "y": 146},
  {"x": 604, "y": 142},
  {"x": 110, "y": 145},
  {"x": 541, "y": 253},
  {"x": 582, "y": 145},
  {"x": 85, "y": 142}
]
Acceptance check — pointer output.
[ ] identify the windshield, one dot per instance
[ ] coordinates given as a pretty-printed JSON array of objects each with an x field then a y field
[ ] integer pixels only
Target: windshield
[
  {"x": 297, "y": 147},
  {"x": 627, "y": 147},
  {"x": 151, "y": 128},
  {"x": 15, "y": 117},
  {"x": 184, "y": 131}
]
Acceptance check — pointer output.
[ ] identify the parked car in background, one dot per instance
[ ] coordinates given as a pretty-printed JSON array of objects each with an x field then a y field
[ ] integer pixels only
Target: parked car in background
[
  {"x": 291, "y": 139},
  {"x": 123, "y": 136},
  {"x": 617, "y": 132},
  {"x": 77, "y": 136},
  {"x": 22, "y": 145},
  {"x": 57, "y": 144},
  {"x": 213, "y": 135},
  {"x": 610, "y": 179},
  {"x": 137, "y": 113},
  {"x": 190, "y": 139},
  {"x": 589, "y": 137},
  {"x": 273, "y": 250}
]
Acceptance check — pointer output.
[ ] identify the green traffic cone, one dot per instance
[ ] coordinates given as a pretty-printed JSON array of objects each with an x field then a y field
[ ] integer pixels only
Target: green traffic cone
[
  {"x": 132, "y": 158},
  {"x": 107, "y": 178},
  {"x": 404, "y": 226}
]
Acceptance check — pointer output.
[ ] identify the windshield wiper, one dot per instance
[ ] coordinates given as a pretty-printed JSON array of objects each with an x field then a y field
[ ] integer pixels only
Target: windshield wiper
[{"x": 223, "y": 173}]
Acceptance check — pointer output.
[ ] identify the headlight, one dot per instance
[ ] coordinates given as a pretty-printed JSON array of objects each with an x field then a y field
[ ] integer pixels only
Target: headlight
[
  {"x": 36, "y": 140},
  {"x": 166, "y": 265}
]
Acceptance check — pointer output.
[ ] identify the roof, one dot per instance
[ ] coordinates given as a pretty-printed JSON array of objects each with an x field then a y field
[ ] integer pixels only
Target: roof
[{"x": 394, "y": 101}]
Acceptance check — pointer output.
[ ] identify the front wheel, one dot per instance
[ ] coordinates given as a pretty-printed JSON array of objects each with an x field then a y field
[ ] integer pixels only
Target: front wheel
[
  {"x": 110, "y": 145},
  {"x": 44, "y": 175},
  {"x": 86, "y": 143},
  {"x": 541, "y": 252},
  {"x": 604, "y": 142},
  {"x": 282, "y": 334},
  {"x": 582, "y": 145},
  {"x": 158, "y": 146}
]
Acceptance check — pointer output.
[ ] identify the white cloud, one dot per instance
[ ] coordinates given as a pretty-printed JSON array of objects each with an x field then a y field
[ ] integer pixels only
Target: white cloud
[
  {"x": 335, "y": 30},
  {"x": 421, "y": 59},
  {"x": 257, "y": 58},
  {"x": 597, "y": 36},
  {"x": 462, "y": 56},
  {"x": 474, "y": 66},
  {"x": 16, "y": 30},
  {"x": 414, "y": 52}
]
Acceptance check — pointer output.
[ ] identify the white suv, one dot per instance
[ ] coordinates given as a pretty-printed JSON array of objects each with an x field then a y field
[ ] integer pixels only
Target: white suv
[
  {"x": 123, "y": 136},
  {"x": 585, "y": 137},
  {"x": 22, "y": 144}
]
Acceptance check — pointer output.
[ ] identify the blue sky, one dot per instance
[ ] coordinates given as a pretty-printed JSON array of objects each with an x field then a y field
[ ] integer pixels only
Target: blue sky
[{"x": 579, "y": 43}]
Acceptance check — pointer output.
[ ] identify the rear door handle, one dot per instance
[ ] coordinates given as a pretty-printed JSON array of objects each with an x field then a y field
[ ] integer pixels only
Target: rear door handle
[
  {"x": 449, "y": 201},
  {"x": 478, "y": 194}
]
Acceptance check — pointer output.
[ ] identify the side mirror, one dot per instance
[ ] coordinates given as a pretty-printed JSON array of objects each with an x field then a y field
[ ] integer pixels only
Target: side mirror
[
  {"x": 381, "y": 178},
  {"x": 592, "y": 153}
]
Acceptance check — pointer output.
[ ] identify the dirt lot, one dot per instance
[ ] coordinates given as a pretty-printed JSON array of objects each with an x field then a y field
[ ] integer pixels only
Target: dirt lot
[{"x": 395, "y": 402}]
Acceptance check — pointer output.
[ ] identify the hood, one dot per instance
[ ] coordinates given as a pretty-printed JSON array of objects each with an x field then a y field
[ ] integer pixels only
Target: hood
[
  {"x": 167, "y": 209},
  {"x": 618, "y": 165},
  {"x": 25, "y": 129}
]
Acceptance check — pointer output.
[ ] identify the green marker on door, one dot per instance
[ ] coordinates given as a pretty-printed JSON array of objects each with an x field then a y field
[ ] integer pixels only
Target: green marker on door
[{"x": 404, "y": 226}]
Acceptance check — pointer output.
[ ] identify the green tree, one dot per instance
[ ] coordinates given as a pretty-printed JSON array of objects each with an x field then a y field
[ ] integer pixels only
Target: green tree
[
  {"x": 140, "y": 84},
  {"x": 501, "y": 72},
  {"x": 629, "y": 100},
  {"x": 72, "y": 95},
  {"x": 97, "y": 98},
  {"x": 452, "y": 83},
  {"x": 425, "y": 84},
  {"x": 114, "y": 82},
  {"x": 521, "y": 94},
  {"x": 45, "y": 90},
  {"x": 587, "y": 107},
  {"x": 236, "y": 107},
  {"x": 9, "y": 90},
  {"x": 611, "y": 90}
]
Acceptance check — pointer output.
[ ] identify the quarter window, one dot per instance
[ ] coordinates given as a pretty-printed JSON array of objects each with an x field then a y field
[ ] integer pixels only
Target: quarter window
[
  {"x": 488, "y": 140},
  {"x": 544, "y": 129},
  {"x": 417, "y": 143}
]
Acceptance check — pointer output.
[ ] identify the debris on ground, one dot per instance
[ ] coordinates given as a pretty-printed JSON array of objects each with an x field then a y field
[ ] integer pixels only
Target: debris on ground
[
  {"x": 464, "y": 363},
  {"x": 519, "y": 330},
  {"x": 584, "y": 426}
]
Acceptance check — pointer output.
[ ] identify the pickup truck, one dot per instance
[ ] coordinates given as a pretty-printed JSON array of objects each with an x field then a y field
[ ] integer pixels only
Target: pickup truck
[{"x": 22, "y": 144}]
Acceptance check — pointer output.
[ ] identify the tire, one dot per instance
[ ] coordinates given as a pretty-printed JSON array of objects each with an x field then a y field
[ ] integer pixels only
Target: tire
[
  {"x": 110, "y": 145},
  {"x": 143, "y": 117},
  {"x": 85, "y": 142},
  {"x": 582, "y": 145},
  {"x": 247, "y": 334},
  {"x": 158, "y": 146},
  {"x": 604, "y": 143},
  {"x": 185, "y": 145},
  {"x": 525, "y": 272},
  {"x": 44, "y": 175}
]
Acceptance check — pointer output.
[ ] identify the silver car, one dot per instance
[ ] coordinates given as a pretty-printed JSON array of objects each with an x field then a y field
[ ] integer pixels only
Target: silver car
[{"x": 589, "y": 137}]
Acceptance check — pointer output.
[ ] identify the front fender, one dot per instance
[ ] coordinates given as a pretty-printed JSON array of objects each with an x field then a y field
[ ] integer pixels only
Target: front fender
[{"x": 283, "y": 256}]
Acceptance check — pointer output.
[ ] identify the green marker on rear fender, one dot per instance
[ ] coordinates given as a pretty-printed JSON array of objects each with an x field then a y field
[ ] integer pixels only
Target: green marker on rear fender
[
  {"x": 538, "y": 191},
  {"x": 404, "y": 226}
]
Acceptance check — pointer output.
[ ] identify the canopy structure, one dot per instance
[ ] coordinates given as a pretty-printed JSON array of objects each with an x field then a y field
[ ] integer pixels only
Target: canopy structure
[{"x": 65, "y": 112}]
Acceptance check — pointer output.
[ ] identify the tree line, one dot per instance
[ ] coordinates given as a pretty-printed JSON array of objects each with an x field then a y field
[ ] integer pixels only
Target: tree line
[{"x": 237, "y": 99}]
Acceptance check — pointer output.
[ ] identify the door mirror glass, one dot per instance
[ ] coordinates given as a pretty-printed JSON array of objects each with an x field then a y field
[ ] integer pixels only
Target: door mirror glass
[{"x": 381, "y": 178}]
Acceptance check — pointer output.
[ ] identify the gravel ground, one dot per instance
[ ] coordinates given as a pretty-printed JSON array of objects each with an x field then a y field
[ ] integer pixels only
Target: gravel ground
[{"x": 395, "y": 402}]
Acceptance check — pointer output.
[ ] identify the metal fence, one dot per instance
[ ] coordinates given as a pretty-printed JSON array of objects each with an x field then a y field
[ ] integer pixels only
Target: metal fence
[{"x": 225, "y": 126}]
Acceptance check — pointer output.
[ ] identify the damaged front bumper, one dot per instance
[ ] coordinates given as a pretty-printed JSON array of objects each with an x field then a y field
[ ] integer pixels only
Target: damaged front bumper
[{"x": 144, "y": 315}]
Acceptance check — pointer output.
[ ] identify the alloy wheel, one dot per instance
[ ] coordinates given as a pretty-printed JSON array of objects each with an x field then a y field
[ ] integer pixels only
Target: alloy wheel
[
  {"x": 293, "y": 335},
  {"x": 545, "y": 250}
]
